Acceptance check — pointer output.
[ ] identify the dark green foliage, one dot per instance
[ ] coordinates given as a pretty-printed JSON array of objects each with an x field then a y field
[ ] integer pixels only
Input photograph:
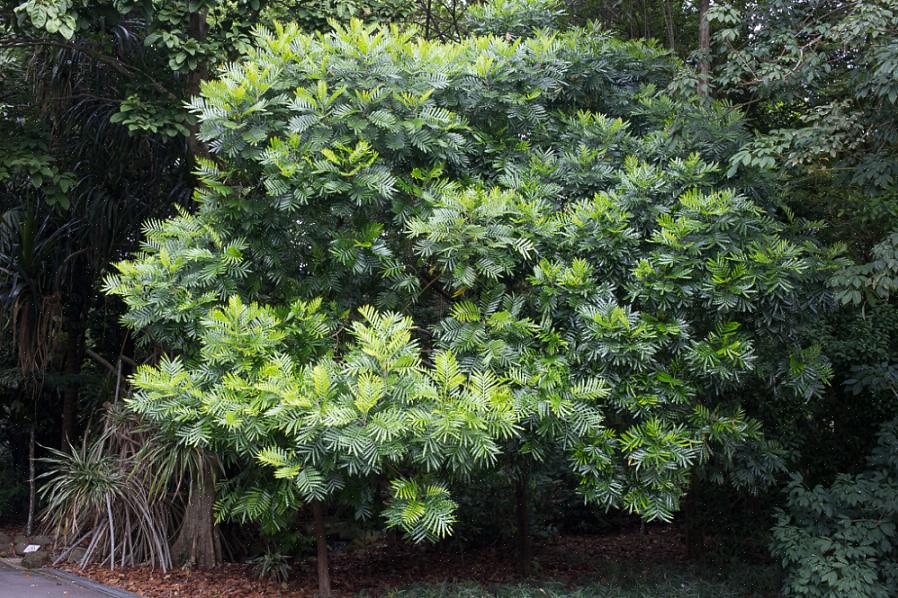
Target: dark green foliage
[
  {"x": 514, "y": 18},
  {"x": 827, "y": 70},
  {"x": 842, "y": 539}
]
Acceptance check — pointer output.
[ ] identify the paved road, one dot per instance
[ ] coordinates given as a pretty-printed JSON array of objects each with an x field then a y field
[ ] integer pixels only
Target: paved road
[{"x": 19, "y": 583}]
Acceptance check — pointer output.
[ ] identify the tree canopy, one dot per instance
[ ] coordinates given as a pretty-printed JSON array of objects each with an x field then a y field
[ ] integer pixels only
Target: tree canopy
[
  {"x": 553, "y": 253},
  {"x": 367, "y": 258}
]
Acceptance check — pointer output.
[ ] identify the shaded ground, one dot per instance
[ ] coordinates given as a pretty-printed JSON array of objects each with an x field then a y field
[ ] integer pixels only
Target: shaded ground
[{"x": 623, "y": 564}]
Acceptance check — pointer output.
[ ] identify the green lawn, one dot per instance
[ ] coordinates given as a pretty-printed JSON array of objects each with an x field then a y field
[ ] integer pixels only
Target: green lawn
[{"x": 737, "y": 581}]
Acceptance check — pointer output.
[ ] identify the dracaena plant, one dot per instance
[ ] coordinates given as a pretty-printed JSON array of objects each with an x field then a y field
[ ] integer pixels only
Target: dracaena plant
[{"x": 556, "y": 262}]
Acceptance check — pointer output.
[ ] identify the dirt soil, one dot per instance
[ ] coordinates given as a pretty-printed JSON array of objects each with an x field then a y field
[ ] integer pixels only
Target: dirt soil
[{"x": 385, "y": 565}]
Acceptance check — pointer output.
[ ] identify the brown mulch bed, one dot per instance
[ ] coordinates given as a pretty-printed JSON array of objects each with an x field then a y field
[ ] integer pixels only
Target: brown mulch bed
[{"x": 387, "y": 565}]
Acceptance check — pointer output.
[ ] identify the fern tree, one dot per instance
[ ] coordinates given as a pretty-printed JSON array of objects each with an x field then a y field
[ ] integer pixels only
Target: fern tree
[{"x": 555, "y": 261}]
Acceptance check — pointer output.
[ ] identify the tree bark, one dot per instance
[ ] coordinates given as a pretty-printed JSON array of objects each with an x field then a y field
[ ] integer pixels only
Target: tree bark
[
  {"x": 668, "y": 21},
  {"x": 198, "y": 543},
  {"x": 704, "y": 47},
  {"x": 197, "y": 29},
  {"x": 522, "y": 530},
  {"x": 324, "y": 575},
  {"x": 72, "y": 362},
  {"x": 32, "y": 502}
]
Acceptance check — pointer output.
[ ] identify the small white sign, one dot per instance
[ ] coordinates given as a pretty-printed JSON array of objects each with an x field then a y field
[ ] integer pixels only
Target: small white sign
[{"x": 32, "y": 548}]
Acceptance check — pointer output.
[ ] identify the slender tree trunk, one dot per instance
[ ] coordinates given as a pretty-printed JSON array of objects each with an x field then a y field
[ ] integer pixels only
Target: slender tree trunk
[
  {"x": 522, "y": 530},
  {"x": 645, "y": 20},
  {"x": 198, "y": 543},
  {"x": 324, "y": 575},
  {"x": 29, "y": 526},
  {"x": 669, "y": 22},
  {"x": 197, "y": 29},
  {"x": 72, "y": 362},
  {"x": 704, "y": 47},
  {"x": 69, "y": 402}
]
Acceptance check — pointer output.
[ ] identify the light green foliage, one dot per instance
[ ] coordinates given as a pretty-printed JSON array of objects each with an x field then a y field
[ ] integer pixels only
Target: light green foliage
[
  {"x": 52, "y": 16},
  {"x": 842, "y": 540},
  {"x": 576, "y": 278},
  {"x": 167, "y": 292},
  {"x": 140, "y": 116},
  {"x": 375, "y": 412}
]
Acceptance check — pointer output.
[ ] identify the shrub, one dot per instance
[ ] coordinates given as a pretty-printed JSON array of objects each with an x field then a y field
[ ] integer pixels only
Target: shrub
[
  {"x": 841, "y": 539},
  {"x": 555, "y": 261}
]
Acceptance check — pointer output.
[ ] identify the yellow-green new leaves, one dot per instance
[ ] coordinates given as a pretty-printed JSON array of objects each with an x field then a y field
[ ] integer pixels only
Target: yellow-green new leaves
[
  {"x": 422, "y": 511},
  {"x": 325, "y": 424},
  {"x": 368, "y": 390}
]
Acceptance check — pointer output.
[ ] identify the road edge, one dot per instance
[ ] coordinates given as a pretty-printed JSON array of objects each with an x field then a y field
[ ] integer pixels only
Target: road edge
[{"x": 61, "y": 575}]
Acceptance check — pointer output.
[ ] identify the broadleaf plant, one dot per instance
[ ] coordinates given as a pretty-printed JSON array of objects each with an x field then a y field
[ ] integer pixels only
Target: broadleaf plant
[{"x": 411, "y": 259}]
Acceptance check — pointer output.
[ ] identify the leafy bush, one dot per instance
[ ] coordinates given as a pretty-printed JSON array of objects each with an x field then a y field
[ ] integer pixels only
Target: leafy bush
[
  {"x": 556, "y": 262},
  {"x": 842, "y": 539}
]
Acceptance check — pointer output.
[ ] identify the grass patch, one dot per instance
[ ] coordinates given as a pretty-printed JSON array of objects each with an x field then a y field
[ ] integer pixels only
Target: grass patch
[{"x": 706, "y": 581}]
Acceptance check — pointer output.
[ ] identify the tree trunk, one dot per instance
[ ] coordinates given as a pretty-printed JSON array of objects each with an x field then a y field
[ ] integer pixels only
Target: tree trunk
[
  {"x": 669, "y": 23},
  {"x": 704, "y": 47},
  {"x": 197, "y": 29},
  {"x": 324, "y": 575},
  {"x": 522, "y": 530},
  {"x": 29, "y": 526},
  {"x": 70, "y": 353},
  {"x": 73, "y": 359},
  {"x": 198, "y": 543}
]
